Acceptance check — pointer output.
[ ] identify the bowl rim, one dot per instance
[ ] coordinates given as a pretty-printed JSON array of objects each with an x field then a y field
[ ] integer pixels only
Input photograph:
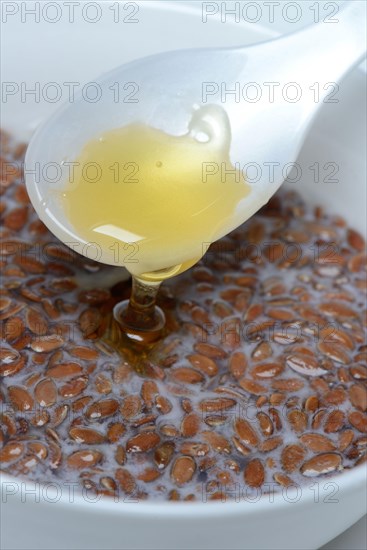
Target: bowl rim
[{"x": 347, "y": 481}]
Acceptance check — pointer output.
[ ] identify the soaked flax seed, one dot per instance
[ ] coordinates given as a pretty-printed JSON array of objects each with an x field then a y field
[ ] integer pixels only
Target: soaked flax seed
[{"x": 261, "y": 377}]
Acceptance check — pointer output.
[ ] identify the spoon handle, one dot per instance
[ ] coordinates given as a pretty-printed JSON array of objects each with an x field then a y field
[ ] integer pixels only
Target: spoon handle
[{"x": 325, "y": 51}]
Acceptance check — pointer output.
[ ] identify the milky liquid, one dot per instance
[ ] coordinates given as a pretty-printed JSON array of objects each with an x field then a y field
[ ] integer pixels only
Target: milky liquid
[{"x": 154, "y": 202}]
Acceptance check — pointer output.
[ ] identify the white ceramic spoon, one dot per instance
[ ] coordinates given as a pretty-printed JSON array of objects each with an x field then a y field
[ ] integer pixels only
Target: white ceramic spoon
[{"x": 161, "y": 91}]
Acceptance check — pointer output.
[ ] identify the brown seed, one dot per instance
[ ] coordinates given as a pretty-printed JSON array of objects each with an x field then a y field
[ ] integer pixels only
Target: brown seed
[
  {"x": 102, "y": 409},
  {"x": 358, "y": 396},
  {"x": 11, "y": 451},
  {"x": 45, "y": 344},
  {"x": 187, "y": 375},
  {"x": 357, "y": 263},
  {"x": 193, "y": 448},
  {"x": 298, "y": 420},
  {"x": 186, "y": 405},
  {"x": 9, "y": 425},
  {"x": 285, "y": 338},
  {"x": 46, "y": 393},
  {"x": 8, "y": 355},
  {"x": 8, "y": 315},
  {"x": 277, "y": 398},
  {"x": 190, "y": 425},
  {"x": 16, "y": 218},
  {"x": 241, "y": 447},
  {"x": 199, "y": 315},
  {"x": 203, "y": 274},
  {"x": 163, "y": 454},
  {"x": 217, "y": 442},
  {"x": 183, "y": 470},
  {"x": 81, "y": 403},
  {"x": 312, "y": 403},
  {"x": 336, "y": 396},
  {"x": 287, "y": 384},
  {"x": 74, "y": 387},
  {"x": 149, "y": 475},
  {"x": 121, "y": 373},
  {"x": 64, "y": 370},
  {"x": 267, "y": 370},
  {"x": 143, "y": 442},
  {"x": 131, "y": 406},
  {"x": 238, "y": 364},
  {"x": 14, "y": 328},
  {"x": 95, "y": 296},
  {"x": 305, "y": 364},
  {"x": 335, "y": 352},
  {"x": 103, "y": 384},
  {"x": 163, "y": 404},
  {"x": 337, "y": 311},
  {"x": 89, "y": 321},
  {"x": 321, "y": 464},
  {"x": 254, "y": 473},
  {"x": 216, "y": 405},
  {"x": 317, "y": 443},
  {"x": 5, "y": 302},
  {"x": 126, "y": 481},
  {"x": 36, "y": 322},
  {"x": 88, "y": 436},
  {"x": 345, "y": 439},
  {"x": 319, "y": 385},
  {"x": 203, "y": 364},
  {"x": 334, "y": 422},
  {"x": 358, "y": 421},
  {"x": 359, "y": 372},
  {"x": 210, "y": 350},
  {"x": 149, "y": 390},
  {"x": 291, "y": 457},
  {"x": 56, "y": 358},
  {"x": 169, "y": 431},
  {"x": 115, "y": 431},
  {"x": 84, "y": 459},
  {"x": 144, "y": 420},
  {"x": 11, "y": 368},
  {"x": 252, "y": 387},
  {"x": 40, "y": 419},
  {"x": 25, "y": 464},
  {"x": 222, "y": 310},
  {"x": 174, "y": 495},
  {"x": 275, "y": 418},
  {"x": 270, "y": 444},
  {"x": 246, "y": 432},
  {"x": 262, "y": 351},
  {"x": 109, "y": 484},
  {"x": 20, "y": 398},
  {"x": 361, "y": 442},
  {"x": 82, "y": 352},
  {"x": 38, "y": 449},
  {"x": 282, "y": 479},
  {"x": 120, "y": 455},
  {"x": 266, "y": 424},
  {"x": 253, "y": 312},
  {"x": 59, "y": 414},
  {"x": 331, "y": 335},
  {"x": 281, "y": 314},
  {"x": 356, "y": 240}
]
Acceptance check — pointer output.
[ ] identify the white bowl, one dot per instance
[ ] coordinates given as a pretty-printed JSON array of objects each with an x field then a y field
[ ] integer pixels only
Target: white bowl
[{"x": 52, "y": 516}]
